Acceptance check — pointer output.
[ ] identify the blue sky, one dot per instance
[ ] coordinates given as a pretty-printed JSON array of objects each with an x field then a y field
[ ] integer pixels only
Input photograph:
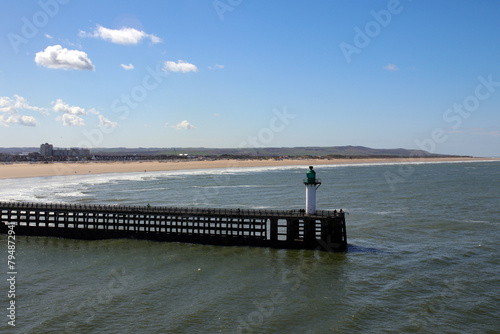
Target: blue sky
[{"x": 242, "y": 73}]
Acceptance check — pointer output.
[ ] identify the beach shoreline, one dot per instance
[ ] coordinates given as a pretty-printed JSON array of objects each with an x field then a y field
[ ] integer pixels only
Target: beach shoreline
[{"x": 28, "y": 170}]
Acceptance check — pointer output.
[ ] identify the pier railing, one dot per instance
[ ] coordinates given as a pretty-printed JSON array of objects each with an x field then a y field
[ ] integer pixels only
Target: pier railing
[
  {"x": 169, "y": 209},
  {"x": 220, "y": 226}
]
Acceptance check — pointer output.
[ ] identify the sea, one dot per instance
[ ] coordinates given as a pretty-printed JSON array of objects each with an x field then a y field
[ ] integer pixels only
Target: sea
[{"x": 423, "y": 255}]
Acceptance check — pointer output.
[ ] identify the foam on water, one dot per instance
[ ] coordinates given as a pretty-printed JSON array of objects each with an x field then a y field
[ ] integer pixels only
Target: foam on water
[{"x": 57, "y": 187}]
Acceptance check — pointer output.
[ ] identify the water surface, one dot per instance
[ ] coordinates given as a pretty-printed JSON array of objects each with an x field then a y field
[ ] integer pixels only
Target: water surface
[{"x": 423, "y": 256}]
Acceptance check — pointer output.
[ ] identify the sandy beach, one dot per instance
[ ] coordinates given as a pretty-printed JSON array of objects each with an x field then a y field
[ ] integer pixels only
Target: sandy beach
[{"x": 23, "y": 170}]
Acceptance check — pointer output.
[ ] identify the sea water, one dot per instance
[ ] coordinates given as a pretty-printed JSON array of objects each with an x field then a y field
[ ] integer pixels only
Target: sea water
[{"x": 423, "y": 257}]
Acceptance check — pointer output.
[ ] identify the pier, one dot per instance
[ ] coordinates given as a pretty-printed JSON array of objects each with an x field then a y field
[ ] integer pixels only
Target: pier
[
  {"x": 324, "y": 230},
  {"x": 299, "y": 229}
]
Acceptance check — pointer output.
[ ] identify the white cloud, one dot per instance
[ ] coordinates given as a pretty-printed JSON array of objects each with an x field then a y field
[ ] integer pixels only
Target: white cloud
[
  {"x": 184, "y": 125},
  {"x": 391, "y": 67},
  {"x": 9, "y": 111},
  {"x": 57, "y": 57},
  {"x": 60, "y": 106},
  {"x": 93, "y": 111},
  {"x": 180, "y": 66},
  {"x": 13, "y": 105},
  {"x": 27, "y": 121},
  {"x": 127, "y": 67},
  {"x": 48, "y": 36},
  {"x": 7, "y": 119},
  {"x": 124, "y": 36},
  {"x": 103, "y": 121},
  {"x": 216, "y": 67},
  {"x": 106, "y": 123},
  {"x": 71, "y": 120},
  {"x": 71, "y": 114}
]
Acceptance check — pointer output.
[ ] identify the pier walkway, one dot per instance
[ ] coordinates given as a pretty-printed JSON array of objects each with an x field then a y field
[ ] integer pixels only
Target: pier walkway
[{"x": 325, "y": 230}]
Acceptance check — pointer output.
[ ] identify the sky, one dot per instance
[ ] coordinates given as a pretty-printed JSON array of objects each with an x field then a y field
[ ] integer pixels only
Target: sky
[{"x": 251, "y": 73}]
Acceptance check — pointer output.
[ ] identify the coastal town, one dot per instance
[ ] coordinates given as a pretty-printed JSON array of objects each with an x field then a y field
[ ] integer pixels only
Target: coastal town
[
  {"x": 48, "y": 160},
  {"x": 47, "y": 153}
]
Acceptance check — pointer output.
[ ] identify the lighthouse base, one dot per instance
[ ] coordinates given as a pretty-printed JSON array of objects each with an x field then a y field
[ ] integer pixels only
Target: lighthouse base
[{"x": 310, "y": 199}]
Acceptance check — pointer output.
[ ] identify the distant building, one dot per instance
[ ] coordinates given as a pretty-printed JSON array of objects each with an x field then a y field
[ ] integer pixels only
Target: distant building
[{"x": 47, "y": 150}]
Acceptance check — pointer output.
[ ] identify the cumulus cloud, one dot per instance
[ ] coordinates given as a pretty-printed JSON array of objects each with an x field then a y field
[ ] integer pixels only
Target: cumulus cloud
[
  {"x": 60, "y": 106},
  {"x": 57, "y": 57},
  {"x": 184, "y": 125},
  {"x": 14, "y": 105},
  {"x": 106, "y": 123},
  {"x": 127, "y": 67},
  {"x": 103, "y": 121},
  {"x": 9, "y": 111},
  {"x": 124, "y": 36},
  {"x": 27, "y": 121},
  {"x": 391, "y": 67},
  {"x": 216, "y": 67},
  {"x": 71, "y": 120},
  {"x": 72, "y": 115},
  {"x": 155, "y": 39},
  {"x": 180, "y": 66},
  {"x": 6, "y": 120}
]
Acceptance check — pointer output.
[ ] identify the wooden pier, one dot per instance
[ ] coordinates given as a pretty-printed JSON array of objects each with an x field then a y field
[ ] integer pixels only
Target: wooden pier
[{"x": 323, "y": 230}]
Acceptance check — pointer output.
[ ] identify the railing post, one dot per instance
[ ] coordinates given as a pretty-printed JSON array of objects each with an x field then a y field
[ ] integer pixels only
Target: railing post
[
  {"x": 292, "y": 229},
  {"x": 309, "y": 230},
  {"x": 273, "y": 230}
]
